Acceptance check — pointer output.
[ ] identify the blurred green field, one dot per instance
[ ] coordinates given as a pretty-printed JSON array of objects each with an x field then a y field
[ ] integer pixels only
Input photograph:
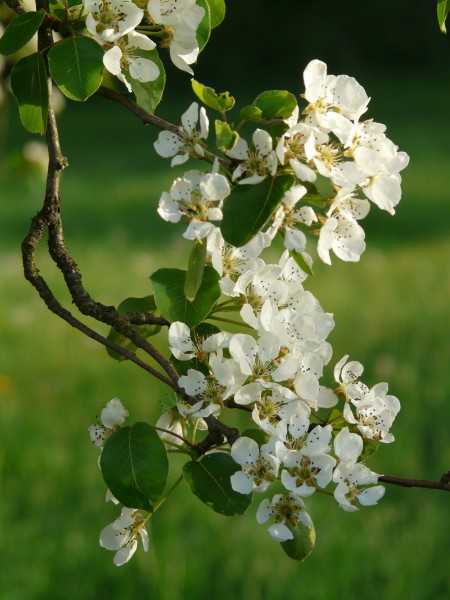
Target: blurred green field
[{"x": 391, "y": 312}]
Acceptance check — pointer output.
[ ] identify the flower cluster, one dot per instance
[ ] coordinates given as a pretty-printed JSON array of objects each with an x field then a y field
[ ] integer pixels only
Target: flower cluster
[
  {"x": 113, "y": 23},
  {"x": 314, "y": 436},
  {"x": 329, "y": 142}
]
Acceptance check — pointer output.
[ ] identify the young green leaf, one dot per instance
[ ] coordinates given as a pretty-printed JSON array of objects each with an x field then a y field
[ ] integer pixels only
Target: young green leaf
[
  {"x": 76, "y": 65},
  {"x": 251, "y": 113},
  {"x": 249, "y": 207},
  {"x": 204, "y": 29},
  {"x": 276, "y": 104},
  {"x": 20, "y": 31},
  {"x": 195, "y": 270},
  {"x": 226, "y": 138},
  {"x": 217, "y": 101},
  {"x": 146, "y": 304},
  {"x": 29, "y": 85},
  {"x": 148, "y": 94},
  {"x": 443, "y": 8},
  {"x": 217, "y": 11},
  {"x": 209, "y": 480},
  {"x": 301, "y": 546},
  {"x": 134, "y": 465},
  {"x": 171, "y": 299}
]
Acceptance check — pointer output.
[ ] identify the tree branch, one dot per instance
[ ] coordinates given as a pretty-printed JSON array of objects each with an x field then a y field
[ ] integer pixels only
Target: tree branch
[{"x": 443, "y": 484}]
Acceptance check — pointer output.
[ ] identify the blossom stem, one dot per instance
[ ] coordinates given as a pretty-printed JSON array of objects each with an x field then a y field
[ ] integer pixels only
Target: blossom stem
[{"x": 164, "y": 498}]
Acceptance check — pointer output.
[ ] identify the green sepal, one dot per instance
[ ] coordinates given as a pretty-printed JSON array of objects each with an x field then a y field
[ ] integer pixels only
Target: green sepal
[
  {"x": 301, "y": 546},
  {"x": 20, "y": 31},
  {"x": 29, "y": 86},
  {"x": 76, "y": 65},
  {"x": 226, "y": 138},
  {"x": 209, "y": 480},
  {"x": 148, "y": 94},
  {"x": 217, "y": 11},
  {"x": 130, "y": 305},
  {"x": 301, "y": 261},
  {"x": 195, "y": 270},
  {"x": 443, "y": 8},
  {"x": 171, "y": 299},
  {"x": 134, "y": 465},
  {"x": 249, "y": 207},
  {"x": 217, "y": 101}
]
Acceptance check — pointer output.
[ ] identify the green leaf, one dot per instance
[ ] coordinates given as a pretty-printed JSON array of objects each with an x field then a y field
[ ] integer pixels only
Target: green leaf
[
  {"x": 195, "y": 270},
  {"x": 217, "y": 101},
  {"x": 217, "y": 11},
  {"x": 134, "y": 465},
  {"x": 226, "y": 138},
  {"x": 443, "y": 8},
  {"x": 301, "y": 546},
  {"x": 301, "y": 261},
  {"x": 20, "y": 31},
  {"x": 209, "y": 480},
  {"x": 249, "y": 207},
  {"x": 76, "y": 65},
  {"x": 251, "y": 113},
  {"x": 171, "y": 299},
  {"x": 29, "y": 85},
  {"x": 276, "y": 104},
  {"x": 146, "y": 304},
  {"x": 204, "y": 29},
  {"x": 149, "y": 94}
]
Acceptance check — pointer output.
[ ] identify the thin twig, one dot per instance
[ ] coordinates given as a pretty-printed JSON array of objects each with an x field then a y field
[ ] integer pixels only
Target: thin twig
[{"x": 443, "y": 484}]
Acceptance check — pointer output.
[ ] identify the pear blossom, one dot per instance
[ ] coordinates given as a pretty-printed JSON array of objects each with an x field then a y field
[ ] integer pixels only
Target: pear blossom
[
  {"x": 125, "y": 55},
  {"x": 181, "y": 18},
  {"x": 109, "y": 20},
  {"x": 374, "y": 413},
  {"x": 185, "y": 347},
  {"x": 187, "y": 143},
  {"x": 347, "y": 375},
  {"x": 288, "y": 510},
  {"x": 355, "y": 481},
  {"x": 111, "y": 417},
  {"x": 259, "y": 467},
  {"x": 198, "y": 197},
  {"x": 342, "y": 234},
  {"x": 256, "y": 161},
  {"x": 330, "y": 94},
  {"x": 122, "y": 535},
  {"x": 291, "y": 149}
]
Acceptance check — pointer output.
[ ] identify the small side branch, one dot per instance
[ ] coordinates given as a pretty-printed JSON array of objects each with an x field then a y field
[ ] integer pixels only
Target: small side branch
[{"x": 443, "y": 484}]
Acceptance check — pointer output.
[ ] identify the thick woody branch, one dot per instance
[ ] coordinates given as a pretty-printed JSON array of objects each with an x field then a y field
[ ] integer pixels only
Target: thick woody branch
[
  {"x": 443, "y": 484},
  {"x": 146, "y": 117}
]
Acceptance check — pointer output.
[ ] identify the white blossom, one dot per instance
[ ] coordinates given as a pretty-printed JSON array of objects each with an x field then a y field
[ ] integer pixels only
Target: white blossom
[
  {"x": 188, "y": 141},
  {"x": 259, "y": 467},
  {"x": 112, "y": 417},
  {"x": 288, "y": 510},
  {"x": 125, "y": 55},
  {"x": 122, "y": 535},
  {"x": 109, "y": 20},
  {"x": 256, "y": 161}
]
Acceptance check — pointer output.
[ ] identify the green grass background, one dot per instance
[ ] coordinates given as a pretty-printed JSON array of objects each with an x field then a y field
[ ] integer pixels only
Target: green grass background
[{"x": 391, "y": 312}]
